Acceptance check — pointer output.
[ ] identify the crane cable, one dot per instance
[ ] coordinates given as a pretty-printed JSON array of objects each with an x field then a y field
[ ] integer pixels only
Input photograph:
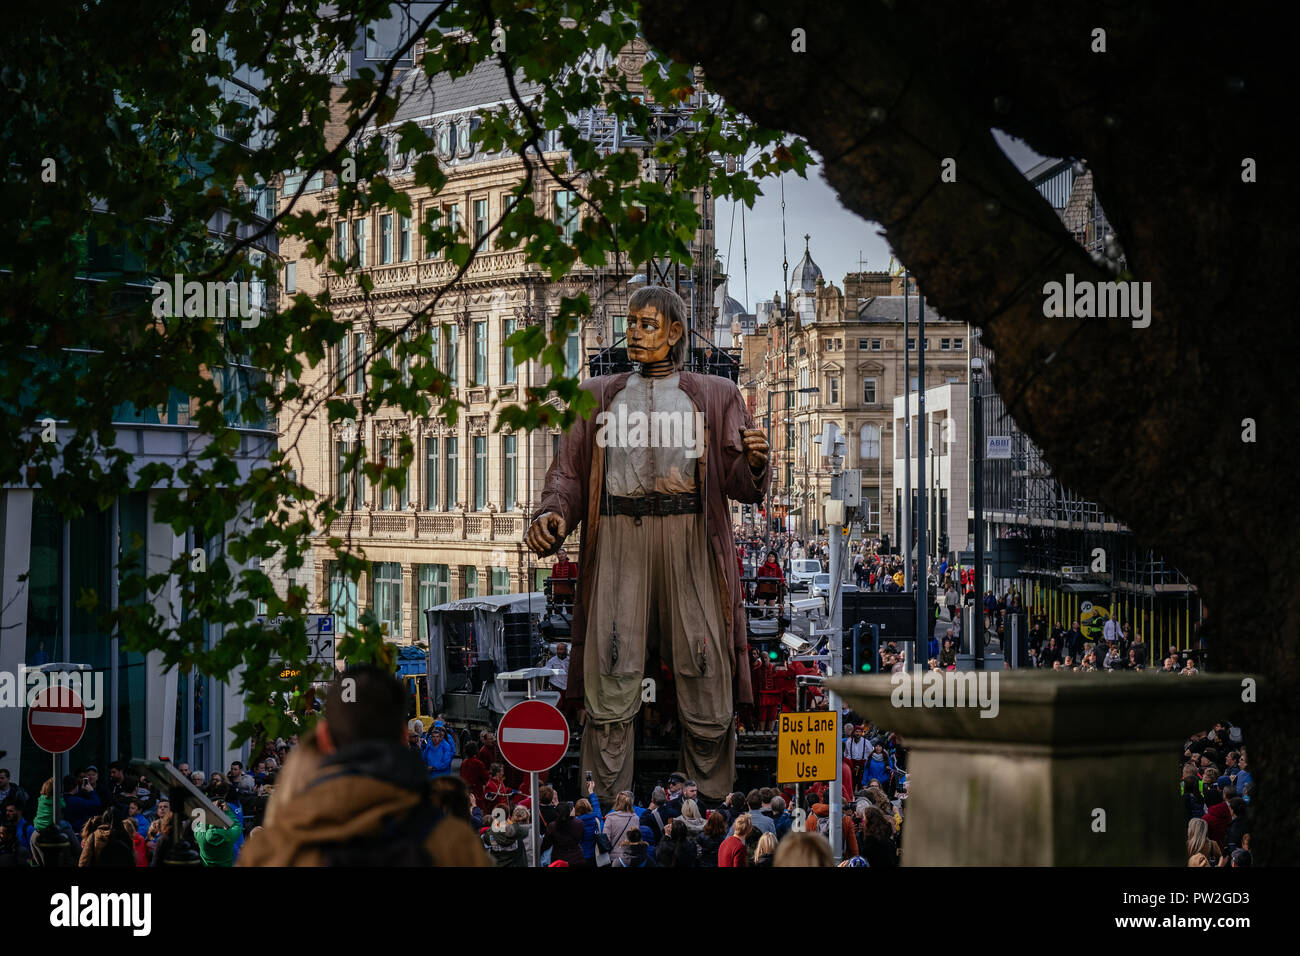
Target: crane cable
[{"x": 744, "y": 246}]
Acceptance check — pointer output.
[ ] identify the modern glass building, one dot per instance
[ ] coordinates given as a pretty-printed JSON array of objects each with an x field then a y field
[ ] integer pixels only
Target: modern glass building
[{"x": 49, "y": 562}]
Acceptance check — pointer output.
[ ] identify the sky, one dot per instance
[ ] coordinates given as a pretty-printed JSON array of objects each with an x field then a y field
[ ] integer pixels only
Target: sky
[{"x": 839, "y": 237}]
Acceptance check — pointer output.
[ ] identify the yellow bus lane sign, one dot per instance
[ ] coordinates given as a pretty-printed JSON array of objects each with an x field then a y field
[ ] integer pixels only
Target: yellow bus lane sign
[{"x": 806, "y": 748}]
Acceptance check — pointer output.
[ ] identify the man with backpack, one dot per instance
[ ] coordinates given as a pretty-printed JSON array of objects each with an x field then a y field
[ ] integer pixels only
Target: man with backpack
[{"x": 370, "y": 801}]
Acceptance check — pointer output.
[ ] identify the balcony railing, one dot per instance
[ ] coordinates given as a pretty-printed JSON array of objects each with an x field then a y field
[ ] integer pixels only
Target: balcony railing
[
  {"x": 401, "y": 276},
  {"x": 454, "y": 526}
]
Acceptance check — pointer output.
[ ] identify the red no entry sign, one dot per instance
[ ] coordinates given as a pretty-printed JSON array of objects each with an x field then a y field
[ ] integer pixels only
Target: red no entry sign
[
  {"x": 56, "y": 719},
  {"x": 533, "y": 736}
]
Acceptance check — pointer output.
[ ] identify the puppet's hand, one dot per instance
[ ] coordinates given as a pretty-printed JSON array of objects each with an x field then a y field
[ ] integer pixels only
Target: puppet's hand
[
  {"x": 546, "y": 534},
  {"x": 756, "y": 447}
]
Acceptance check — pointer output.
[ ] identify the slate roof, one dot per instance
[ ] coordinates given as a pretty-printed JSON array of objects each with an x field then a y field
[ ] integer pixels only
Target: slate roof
[
  {"x": 485, "y": 84},
  {"x": 889, "y": 308}
]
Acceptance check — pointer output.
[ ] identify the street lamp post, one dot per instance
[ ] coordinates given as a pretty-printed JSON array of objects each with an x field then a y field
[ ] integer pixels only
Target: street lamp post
[
  {"x": 880, "y": 483},
  {"x": 906, "y": 543},
  {"x": 834, "y": 535},
  {"x": 977, "y": 453},
  {"x": 936, "y": 528},
  {"x": 767, "y": 498},
  {"x": 803, "y": 469},
  {"x": 922, "y": 545}
]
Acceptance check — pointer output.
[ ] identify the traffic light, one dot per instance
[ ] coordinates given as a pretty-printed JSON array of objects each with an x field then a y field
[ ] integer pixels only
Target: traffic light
[{"x": 866, "y": 644}]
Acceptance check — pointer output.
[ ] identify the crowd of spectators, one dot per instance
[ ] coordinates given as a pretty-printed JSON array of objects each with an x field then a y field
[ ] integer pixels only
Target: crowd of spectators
[
  {"x": 674, "y": 826},
  {"x": 1218, "y": 794},
  {"x": 121, "y": 820}
]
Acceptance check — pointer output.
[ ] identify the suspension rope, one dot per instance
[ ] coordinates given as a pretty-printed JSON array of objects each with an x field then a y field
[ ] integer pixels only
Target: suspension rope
[{"x": 744, "y": 246}]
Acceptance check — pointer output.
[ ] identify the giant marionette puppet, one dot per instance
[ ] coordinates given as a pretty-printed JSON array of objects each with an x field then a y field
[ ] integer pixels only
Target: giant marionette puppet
[{"x": 648, "y": 476}]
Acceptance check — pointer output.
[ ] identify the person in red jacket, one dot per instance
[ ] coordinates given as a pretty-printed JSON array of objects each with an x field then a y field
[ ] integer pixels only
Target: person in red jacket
[
  {"x": 789, "y": 687},
  {"x": 487, "y": 748},
  {"x": 732, "y": 851},
  {"x": 785, "y": 684},
  {"x": 474, "y": 772},
  {"x": 771, "y": 568},
  {"x": 566, "y": 571},
  {"x": 138, "y": 841},
  {"x": 765, "y": 685},
  {"x": 1218, "y": 816},
  {"x": 564, "y": 568},
  {"x": 496, "y": 793}
]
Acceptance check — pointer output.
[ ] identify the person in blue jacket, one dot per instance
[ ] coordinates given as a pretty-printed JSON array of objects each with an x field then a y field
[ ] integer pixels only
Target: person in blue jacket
[
  {"x": 136, "y": 813},
  {"x": 879, "y": 767},
  {"x": 13, "y": 818},
  {"x": 438, "y": 753},
  {"x": 592, "y": 820},
  {"x": 781, "y": 817},
  {"x": 1242, "y": 778}
]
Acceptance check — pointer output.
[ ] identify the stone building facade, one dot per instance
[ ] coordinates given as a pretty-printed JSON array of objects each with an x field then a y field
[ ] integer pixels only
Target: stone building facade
[{"x": 839, "y": 363}]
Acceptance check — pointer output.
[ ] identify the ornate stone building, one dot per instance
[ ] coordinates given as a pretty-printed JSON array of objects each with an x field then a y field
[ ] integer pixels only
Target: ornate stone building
[{"x": 838, "y": 363}]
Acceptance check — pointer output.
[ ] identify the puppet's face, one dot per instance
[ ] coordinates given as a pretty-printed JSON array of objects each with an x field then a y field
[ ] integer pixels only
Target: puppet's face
[{"x": 650, "y": 335}]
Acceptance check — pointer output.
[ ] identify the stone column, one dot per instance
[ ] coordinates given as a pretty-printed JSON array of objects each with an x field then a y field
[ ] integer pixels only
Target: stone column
[
  {"x": 410, "y": 604},
  {"x": 1067, "y": 769}
]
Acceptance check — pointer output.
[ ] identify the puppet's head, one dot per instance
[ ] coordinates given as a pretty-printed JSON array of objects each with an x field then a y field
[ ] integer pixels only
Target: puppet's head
[{"x": 656, "y": 326}]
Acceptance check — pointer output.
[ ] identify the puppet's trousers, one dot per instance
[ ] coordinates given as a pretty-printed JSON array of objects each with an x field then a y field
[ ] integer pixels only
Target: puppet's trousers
[{"x": 656, "y": 589}]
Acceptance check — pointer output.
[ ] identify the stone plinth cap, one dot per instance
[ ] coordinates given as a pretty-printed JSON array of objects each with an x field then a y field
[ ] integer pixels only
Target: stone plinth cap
[{"x": 1046, "y": 707}]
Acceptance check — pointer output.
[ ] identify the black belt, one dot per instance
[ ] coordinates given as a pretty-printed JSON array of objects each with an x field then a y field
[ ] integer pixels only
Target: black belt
[{"x": 651, "y": 505}]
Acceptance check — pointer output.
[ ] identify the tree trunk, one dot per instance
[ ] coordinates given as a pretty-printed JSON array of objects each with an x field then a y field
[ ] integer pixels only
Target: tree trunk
[{"x": 1147, "y": 421}]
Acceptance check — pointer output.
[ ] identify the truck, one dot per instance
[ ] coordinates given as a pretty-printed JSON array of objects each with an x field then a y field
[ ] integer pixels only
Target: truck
[
  {"x": 471, "y": 641},
  {"x": 412, "y": 670}
]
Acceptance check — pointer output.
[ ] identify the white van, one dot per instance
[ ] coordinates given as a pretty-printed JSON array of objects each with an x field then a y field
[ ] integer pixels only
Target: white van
[{"x": 802, "y": 571}]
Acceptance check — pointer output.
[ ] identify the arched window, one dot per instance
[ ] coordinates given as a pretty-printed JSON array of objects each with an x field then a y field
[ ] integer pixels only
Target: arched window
[{"x": 869, "y": 446}]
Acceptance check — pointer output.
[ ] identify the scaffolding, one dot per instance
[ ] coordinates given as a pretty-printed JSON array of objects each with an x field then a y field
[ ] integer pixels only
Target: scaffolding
[
  {"x": 1079, "y": 562},
  {"x": 1062, "y": 581},
  {"x": 609, "y": 133}
]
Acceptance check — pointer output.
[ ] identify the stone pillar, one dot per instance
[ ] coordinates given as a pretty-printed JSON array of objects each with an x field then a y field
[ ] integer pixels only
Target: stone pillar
[
  {"x": 320, "y": 571},
  {"x": 410, "y": 604},
  {"x": 1071, "y": 769},
  {"x": 364, "y": 602}
]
